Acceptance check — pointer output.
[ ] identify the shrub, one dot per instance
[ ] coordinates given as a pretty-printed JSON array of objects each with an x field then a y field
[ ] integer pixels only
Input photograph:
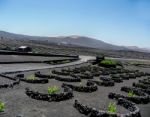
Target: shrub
[
  {"x": 131, "y": 94},
  {"x": 108, "y": 62},
  {"x": 53, "y": 90},
  {"x": 31, "y": 77},
  {"x": 2, "y": 106},
  {"x": 112, "y": 108}
]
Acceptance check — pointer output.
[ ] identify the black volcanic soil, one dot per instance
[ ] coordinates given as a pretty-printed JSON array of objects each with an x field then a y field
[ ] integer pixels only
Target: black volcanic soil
[{"x": 18, "y": 103}]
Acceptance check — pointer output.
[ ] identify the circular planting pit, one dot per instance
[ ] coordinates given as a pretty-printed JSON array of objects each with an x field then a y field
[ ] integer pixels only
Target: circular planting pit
[
  {"x": 37, "y": 81},
  {"x": 38, "y": 74},
  {"x": 65, "y": 95},
  {"x": 124, "y": 76},
  {"x": 82, "y": 76},
  {"x": 116, "y": 78},
  {"x": 105, "y": 73},
  {"x": 90, "y": 87},
  {"x": 105, "y": 79},
  {"x": 137, "y": 97},
  {"x": 11, "y": 85},
  {"x": 64, "y": 73},
  {"x": 104, "y": 83},
  {"x": 132, "y": 75},
  {"x": 93, "y": 112},
  {"x": 144, "y": 82},
  {"x": 31, "y": 79},
  {"x": 69, "y": 79},
  {"x": 141, "y": 85},
  {"x": 96, "y": 74}
]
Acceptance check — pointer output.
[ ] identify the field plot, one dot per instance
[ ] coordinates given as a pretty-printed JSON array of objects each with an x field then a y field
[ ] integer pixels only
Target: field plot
[
  {"x": 33, "y": 66},
  {"x": 23, "y": 58},
  {"x": 80, "y": 90}
]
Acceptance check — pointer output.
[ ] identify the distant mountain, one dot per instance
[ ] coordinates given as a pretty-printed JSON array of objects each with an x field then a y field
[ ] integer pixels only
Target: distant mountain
[
  {"x": 135, "y": 48},
  {"x": 87, "y": 42},
  {"x": 69, "y": 40}
]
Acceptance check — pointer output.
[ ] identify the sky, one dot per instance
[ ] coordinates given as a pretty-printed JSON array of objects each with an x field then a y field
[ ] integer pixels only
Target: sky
[{"x": 120, "y": 22}]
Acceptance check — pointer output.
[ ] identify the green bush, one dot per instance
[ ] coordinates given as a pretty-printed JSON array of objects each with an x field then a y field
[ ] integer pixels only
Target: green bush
[
  {"x": 108, "y": 62},
  {"x": 131, "y": 94},
  {"x": 2, "y": 106},
  {"x": 31, "y": 77},
  {"x": 53, "y": 90},
  {"x": 112, "y": 108}
]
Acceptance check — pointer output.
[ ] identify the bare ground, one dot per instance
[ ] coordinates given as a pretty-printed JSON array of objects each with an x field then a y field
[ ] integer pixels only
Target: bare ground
[{"x": 18, "y": 103}]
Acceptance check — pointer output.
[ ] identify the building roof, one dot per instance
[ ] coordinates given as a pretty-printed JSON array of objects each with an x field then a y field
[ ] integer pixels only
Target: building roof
[{"x": 23, "y": 47}]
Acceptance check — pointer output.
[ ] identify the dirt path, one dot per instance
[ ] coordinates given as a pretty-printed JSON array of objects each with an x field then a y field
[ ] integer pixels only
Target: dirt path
[{"x": 37, "y": 66}]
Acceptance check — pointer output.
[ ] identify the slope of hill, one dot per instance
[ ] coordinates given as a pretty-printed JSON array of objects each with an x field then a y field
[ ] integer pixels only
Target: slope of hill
[
  {"x": 65, "y": 40},
  {"x": 89, "y": 42},
  {"x": 74, "y": 40}
]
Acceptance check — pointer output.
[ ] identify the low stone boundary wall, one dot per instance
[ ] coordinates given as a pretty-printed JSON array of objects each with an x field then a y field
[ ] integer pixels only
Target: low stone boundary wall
[
  {"x": 90, "y": 87},
  {"x": 65, "y": 95},
  {"x": 92, "y": 112},
  {"x": 11, "y": 85}
]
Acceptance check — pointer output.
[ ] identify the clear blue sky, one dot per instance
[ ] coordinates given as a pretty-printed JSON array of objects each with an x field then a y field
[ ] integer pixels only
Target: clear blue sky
[{"x": 121, "y": 22}]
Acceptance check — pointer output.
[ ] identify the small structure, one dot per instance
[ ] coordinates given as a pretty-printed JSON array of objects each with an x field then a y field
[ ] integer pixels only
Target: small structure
[
  {"x": 24, "y": 49},
  {"x": 98, "y": 59}
]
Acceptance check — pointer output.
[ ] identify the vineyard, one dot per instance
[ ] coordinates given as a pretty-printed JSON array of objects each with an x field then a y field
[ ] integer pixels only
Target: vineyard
[{"x": 92, "y": 89}]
